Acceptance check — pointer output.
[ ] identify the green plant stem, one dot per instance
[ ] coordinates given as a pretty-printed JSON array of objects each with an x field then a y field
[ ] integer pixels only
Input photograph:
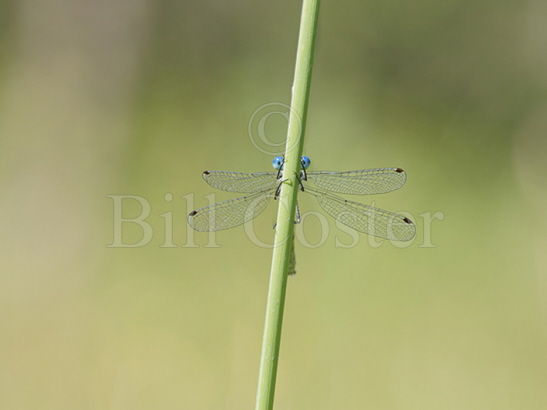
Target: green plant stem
[{"x": 287, "y": 204}]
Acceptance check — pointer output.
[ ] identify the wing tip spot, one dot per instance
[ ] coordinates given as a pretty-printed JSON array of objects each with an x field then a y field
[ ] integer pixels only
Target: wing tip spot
[
  {"x": 192, "y": 213},
  {"x": 408, "y": 221},
  {"x": 399, "y": 170}
]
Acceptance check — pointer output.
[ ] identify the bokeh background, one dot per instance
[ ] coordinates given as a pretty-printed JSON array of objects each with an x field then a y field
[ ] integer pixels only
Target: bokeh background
[{"x": 139, "y": 97}]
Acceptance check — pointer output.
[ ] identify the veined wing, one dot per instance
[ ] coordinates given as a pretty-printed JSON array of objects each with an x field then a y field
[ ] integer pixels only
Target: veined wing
[
  {"x": 365, "y": 218},
  {"x": 240, "y": 181},
  {"x": 363, "y": 182},
  {"x": 229, "y": 214}
]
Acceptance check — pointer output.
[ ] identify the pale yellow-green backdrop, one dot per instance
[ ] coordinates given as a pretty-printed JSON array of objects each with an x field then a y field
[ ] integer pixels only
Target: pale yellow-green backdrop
[{"x": 122, "y": 97}]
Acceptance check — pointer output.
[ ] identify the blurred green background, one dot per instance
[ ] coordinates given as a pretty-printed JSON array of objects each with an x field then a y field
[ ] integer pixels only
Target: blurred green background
[{"x": 139, "y": 97}]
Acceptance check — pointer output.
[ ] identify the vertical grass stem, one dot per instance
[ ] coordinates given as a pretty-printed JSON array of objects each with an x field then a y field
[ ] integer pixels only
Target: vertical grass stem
[{"x": 287, "y": 204}]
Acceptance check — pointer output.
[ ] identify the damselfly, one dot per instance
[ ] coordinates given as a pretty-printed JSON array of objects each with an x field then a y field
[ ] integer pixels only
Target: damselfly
[{"x": 264, "y": 186}]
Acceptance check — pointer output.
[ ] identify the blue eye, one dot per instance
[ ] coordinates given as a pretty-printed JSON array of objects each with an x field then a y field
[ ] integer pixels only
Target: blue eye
[
  {"x": 305, "y": 162},
  {"x": 277, "y": 163}
]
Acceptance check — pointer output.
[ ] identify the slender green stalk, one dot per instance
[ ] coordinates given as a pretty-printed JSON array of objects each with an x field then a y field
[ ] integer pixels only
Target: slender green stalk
[{"x": 287, "y": 204}]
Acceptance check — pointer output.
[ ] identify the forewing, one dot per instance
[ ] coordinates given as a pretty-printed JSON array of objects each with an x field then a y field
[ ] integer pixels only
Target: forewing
[
  {"x": 363, "y": 182},
  {"x": 367, "y": 219},
  {"x": 229, "y": 214},
  {"x": 240, "y": 181}
]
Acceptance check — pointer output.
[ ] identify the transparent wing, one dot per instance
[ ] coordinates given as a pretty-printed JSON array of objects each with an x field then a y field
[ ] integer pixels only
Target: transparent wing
[
  {"x": 240, "y": 181},
  {"x": 365, "y": 218},
  {"x": 363, "y": 182},
  {"x": 229, "y": 214}
]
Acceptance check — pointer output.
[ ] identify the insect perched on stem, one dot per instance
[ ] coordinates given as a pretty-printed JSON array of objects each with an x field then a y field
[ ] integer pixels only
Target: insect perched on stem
[{"x": 263, "y": 186}]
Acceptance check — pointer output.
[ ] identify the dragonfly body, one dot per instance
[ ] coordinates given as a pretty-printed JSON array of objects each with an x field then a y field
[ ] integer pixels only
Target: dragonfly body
[{"x": 263, "y": 186}]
